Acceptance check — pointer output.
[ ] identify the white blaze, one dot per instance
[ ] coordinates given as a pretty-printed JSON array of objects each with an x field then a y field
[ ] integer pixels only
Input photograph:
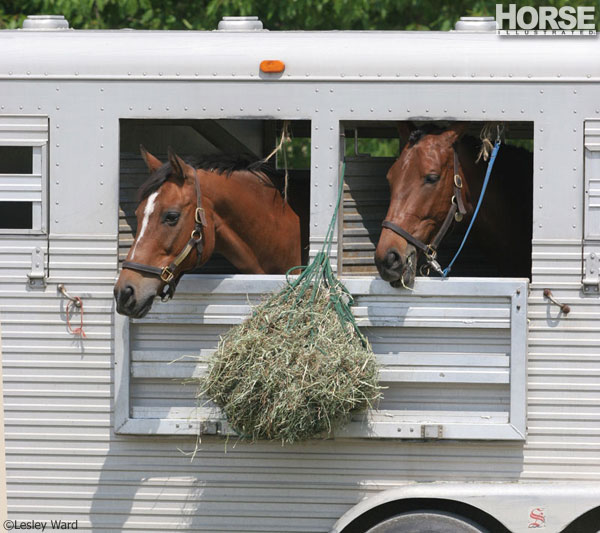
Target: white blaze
[{"x": 148, "y": 210}]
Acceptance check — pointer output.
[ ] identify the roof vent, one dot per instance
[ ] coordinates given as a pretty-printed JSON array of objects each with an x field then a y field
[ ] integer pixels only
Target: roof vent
[
  {"x": 240, "y": 24},
  {"x": 45, "y": 22},
  {"x": 476, "y": 24}
]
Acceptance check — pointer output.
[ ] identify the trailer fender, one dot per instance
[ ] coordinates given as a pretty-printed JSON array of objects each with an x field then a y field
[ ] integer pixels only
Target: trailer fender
[{"x": 512, "y": 507}]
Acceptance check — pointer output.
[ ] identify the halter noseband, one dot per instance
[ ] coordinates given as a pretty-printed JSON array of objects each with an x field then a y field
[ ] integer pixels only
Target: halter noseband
[
  {"x": 456, "y": 212},
  {"x": 169, "y": 273}
]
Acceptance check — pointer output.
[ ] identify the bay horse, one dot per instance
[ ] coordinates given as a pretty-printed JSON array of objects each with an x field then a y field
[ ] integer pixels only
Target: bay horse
[
  {"x": 424, "y": 189},
  {"x": 188, "y": 211}
]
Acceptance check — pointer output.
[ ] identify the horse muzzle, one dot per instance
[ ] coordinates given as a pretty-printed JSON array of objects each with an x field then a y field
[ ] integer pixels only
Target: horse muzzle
[
  {"x": 132, "y": 301},
  {"x": 396, "y": 268}
]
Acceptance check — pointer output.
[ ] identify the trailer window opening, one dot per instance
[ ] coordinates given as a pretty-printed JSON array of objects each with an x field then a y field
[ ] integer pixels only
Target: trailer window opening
[
  {"x": 243, "y": 142},
  {"x": 16, "y": 215},
  {"x": 372, "y": 147},
  {"x": 16, "y": 159}
]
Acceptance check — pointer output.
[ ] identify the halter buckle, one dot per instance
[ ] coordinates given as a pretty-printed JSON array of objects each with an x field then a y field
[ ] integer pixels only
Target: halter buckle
[
  {"x": 430, "y": 253},
  {"x": 458, "y": 181},
  {"x": 200, "y": 216},
  {"x": 167, "y": 275}
]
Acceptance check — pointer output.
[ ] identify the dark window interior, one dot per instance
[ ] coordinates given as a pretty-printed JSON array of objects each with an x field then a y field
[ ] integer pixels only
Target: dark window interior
[
  {"x": 371, "y": 147},
  {"x": 254, "y": 138},
  {"x": 16, "y": 159},
  {"x": 16, "y": 215}
]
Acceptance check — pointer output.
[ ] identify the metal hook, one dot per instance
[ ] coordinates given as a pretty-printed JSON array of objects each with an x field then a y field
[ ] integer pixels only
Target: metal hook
[
  {"x": 63, "y": 290},
  {"x": 500, "y": 132},
  {"x": 565, "y": 308}
]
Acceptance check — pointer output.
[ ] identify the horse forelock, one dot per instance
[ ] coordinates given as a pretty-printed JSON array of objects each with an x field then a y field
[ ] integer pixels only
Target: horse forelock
[{"x": 427, "y": 129}]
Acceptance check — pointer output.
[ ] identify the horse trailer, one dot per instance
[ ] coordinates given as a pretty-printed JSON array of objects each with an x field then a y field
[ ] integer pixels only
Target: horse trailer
[{"x": 490, "y": 416}]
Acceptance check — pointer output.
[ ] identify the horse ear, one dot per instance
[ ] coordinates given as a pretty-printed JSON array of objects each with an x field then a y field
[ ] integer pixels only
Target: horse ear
[
  {"x": 181, "y": 169},
  {"x": 152, "y": 162},
  {"x": 177, "y": 164},
  {"x": 456, "y": 130},
  {"x": 405, "y": 128}
]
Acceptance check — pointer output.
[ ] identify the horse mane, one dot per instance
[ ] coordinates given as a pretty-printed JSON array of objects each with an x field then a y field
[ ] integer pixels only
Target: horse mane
[{"x": 220, "y": 164}]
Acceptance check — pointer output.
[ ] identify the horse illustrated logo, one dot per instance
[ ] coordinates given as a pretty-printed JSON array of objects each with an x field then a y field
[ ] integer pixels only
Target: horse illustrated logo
[{"x": 537, "y": 518}]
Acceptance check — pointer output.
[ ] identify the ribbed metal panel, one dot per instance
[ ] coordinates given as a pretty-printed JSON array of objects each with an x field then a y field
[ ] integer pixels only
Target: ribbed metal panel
[
  {"x": 64, "y": 461},
  {"x": 456, "y": 346}
]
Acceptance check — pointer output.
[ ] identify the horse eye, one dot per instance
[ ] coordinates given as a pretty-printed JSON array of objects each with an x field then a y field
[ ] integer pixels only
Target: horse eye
[
  {"x": 432, "y": 178},
  {"x": 171, "y": 218}
]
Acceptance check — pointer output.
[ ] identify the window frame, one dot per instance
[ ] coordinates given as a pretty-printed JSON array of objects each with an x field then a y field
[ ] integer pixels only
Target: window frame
[
  {"x": 30, "y": 131},
  {"x": 513, "y": 291}
]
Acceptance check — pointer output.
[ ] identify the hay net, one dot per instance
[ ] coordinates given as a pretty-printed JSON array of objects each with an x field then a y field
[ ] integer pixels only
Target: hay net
[{"x": 299, "y": 366}]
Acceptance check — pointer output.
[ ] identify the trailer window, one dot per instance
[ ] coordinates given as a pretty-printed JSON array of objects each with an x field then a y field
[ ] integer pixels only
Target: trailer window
[
  {"x": 23, "y": 174},
  {"x": 16, "y": 215},
  {"x": 371, "y": 148},
  {"x": 253, "y": 139},
  {"x": 16, "y": 159}
]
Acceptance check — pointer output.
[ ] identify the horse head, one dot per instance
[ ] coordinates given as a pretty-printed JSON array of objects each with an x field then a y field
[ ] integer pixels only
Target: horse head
[
  {"x": 175, "y": 234},
  {"x": 423, "y": 188}
]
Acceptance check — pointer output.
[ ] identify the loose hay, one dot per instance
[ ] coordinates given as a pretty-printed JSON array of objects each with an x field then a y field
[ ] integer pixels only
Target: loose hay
[
  {"x": 299, "y": 366},
  {"x": 293, "y": 370}
]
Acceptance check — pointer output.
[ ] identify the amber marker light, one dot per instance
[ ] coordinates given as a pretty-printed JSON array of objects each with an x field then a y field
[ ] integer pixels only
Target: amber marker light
[{"x": 272, "y": 66}]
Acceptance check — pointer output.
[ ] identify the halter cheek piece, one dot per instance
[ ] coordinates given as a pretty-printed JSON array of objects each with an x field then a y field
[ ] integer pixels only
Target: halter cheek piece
[
  {"x": 169, "y": 273},
  {"x": 456, "y": 212}
]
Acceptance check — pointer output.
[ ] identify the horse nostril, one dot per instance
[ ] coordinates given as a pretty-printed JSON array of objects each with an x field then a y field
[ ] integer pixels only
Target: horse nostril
[
  {"x": 393, "y": 259},
  {"x": 125, "y": 295}
]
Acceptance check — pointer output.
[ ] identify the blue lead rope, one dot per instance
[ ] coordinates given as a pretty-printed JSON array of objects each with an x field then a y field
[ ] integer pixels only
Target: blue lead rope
[{"x": 488, "y": 173}]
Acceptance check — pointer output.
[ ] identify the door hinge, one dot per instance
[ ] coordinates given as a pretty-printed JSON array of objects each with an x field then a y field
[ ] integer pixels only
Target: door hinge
[
  {"x": 37, "y": 276},
  {"x": 591, "y": 277}
]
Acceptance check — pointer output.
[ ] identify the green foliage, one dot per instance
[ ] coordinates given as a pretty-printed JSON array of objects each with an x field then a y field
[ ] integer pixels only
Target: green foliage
[
  {"x": 276, "y": 15},
  {"x": 373, "y": 147},
  {"x": 297, "y": 154}
]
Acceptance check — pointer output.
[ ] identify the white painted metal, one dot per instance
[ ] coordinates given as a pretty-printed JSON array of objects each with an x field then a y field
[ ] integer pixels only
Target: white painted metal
[
  {"x": 64, "y": 459},
  {"x": 351, "y": 56}
]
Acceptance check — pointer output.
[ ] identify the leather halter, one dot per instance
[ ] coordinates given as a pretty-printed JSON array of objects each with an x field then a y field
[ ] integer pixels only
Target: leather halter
[
  {"x": 456, "y": 212},
  {"x": 169, "y": 273}
]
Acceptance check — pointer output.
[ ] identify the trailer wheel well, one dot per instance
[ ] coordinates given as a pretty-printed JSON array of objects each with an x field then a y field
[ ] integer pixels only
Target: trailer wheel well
[
  {"x": 382, "y": 512},
  {"x": 586, "y": 523}
]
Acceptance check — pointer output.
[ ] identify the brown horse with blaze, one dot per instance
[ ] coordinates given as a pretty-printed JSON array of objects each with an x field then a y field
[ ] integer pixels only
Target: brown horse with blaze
[
  {"x": 188, "y": 213},
  {"x": 423, "y": 189}
]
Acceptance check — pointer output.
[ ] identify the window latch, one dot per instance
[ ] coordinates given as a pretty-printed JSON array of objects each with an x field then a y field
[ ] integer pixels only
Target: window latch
[
  {"x": 591, "y": 276},
  {"x": 37, "y": 276}
]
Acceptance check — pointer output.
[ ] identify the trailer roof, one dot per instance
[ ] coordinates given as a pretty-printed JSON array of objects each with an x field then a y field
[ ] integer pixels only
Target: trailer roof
[{"x": 336, "y": 55}]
